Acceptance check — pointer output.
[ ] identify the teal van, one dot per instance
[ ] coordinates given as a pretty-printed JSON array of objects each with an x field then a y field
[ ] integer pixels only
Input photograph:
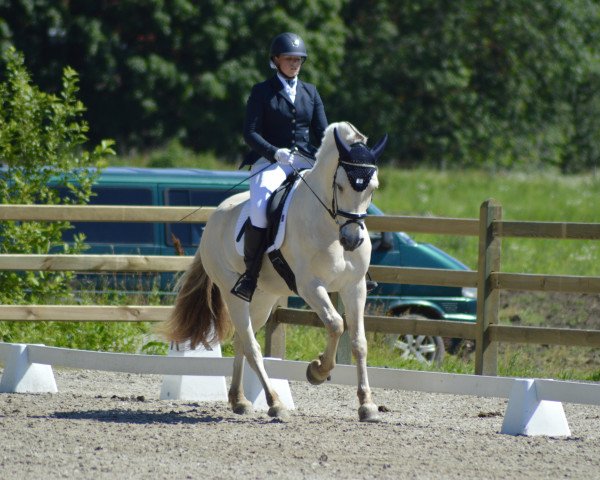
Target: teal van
[{"x": 194, "y": 187}]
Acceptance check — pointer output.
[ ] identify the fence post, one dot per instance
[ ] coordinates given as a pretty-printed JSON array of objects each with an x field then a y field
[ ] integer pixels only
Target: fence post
[
  {"x": 343, "y": 355},
  {"x": 486, "y": 352},
  {"x": 275, "y": 333}
]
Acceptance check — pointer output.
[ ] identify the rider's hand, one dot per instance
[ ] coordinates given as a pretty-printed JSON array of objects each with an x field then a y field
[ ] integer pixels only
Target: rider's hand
[{"x": 283, "y": 156}]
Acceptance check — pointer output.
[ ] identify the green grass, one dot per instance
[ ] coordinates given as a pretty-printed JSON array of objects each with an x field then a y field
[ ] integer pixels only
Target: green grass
[
  {"x": 533, "y": 197},
  {"x": 524, "y": 196}
]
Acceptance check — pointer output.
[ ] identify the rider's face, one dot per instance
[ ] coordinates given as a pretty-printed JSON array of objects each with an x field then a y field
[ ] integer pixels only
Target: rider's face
[{"x": 289, "y": 64}]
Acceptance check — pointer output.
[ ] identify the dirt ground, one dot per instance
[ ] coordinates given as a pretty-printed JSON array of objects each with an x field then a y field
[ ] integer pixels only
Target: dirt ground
[{"x": 113, "y": 426}]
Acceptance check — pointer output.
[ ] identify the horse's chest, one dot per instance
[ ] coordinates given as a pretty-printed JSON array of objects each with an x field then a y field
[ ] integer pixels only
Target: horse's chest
[{"x": 344, "y": 265}]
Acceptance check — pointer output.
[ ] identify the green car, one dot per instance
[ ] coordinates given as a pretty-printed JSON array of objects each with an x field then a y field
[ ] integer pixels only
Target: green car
[{"x": 194, "y": 187}]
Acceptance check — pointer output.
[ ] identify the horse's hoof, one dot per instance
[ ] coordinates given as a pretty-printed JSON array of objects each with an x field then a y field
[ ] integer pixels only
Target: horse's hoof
[
  {"x": 312, "y": 379},
  {"x": 278, "y": 411},
  {"x": 243, "y": 408},
  {"x": 368, "y": 413}
]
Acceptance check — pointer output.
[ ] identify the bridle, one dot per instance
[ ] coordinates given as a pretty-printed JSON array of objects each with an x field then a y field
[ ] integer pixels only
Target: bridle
[
  {"x": 335, "y": 212},
  {"x": 358, "y": 218}
]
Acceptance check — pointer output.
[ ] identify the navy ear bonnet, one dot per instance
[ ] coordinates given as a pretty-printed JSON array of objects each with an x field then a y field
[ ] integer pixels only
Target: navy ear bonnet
[{"x": 358, "y": 160}]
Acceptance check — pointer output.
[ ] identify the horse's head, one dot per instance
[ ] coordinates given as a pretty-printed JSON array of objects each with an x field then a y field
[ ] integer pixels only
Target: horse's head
[{"x": 354, "y": 181}]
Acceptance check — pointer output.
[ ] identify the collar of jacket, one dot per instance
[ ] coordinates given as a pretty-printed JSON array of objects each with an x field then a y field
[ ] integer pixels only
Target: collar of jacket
[{"x": 279, "y": 88}]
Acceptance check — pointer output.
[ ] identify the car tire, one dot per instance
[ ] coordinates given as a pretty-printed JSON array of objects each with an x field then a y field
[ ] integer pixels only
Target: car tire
[{"x": 427, "y": 349}]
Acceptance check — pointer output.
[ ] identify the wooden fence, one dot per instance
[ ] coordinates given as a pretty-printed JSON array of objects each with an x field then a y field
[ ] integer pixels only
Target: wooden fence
[{"x": 487, "y": 332}]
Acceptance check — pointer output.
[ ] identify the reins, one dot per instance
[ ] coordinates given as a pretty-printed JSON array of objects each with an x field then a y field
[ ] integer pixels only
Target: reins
[
  {"x": 334, "y": 211},
  {"x": 228, "y": 190}
]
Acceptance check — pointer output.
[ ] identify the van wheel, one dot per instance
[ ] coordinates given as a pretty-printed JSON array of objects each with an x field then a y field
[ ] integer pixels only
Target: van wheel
[{"x": 426, "y": 349}]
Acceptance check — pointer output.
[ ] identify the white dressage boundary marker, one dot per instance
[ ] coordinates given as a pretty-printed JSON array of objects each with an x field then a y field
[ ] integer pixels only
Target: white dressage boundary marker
[
  {"x": 526, "y": 414},
  {"x": 21, "y": 375},
  {"x": 528, "y": 399},
  {"x": 256, "y": 394},
  {"x": 193, "y": 387}
]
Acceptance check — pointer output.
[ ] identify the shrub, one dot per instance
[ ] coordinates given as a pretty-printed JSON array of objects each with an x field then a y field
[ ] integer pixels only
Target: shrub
[{"x": 42, "y": 139}]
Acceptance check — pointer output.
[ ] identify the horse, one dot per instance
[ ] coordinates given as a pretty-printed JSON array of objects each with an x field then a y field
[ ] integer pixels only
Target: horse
[{"x": 328, "y": 250}]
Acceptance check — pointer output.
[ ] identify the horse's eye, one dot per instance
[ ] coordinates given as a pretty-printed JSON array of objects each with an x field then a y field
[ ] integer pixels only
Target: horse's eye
[{"x": 339, "y": 187}]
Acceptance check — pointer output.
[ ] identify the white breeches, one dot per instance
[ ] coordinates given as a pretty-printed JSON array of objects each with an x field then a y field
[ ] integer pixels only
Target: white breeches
[{"x": 265, "y": 183}]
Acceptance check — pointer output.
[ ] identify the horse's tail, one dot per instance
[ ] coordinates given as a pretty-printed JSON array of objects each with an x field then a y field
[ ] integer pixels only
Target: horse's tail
[{"x": 200, "y": 315}]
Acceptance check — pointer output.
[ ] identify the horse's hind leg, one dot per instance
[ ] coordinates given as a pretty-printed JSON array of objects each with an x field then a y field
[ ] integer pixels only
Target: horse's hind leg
[
  {"x": 240, "y": 315},
  {"x": 237, "y": 400}
]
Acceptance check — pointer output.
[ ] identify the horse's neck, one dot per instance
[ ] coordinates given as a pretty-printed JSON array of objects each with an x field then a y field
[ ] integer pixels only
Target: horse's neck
[
  {"x": 313, "y": 198},
  {"x": 320, "y": 179}
]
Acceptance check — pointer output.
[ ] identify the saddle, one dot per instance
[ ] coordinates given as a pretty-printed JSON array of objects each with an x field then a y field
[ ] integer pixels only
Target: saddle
[{"x": 277, "y": 216}]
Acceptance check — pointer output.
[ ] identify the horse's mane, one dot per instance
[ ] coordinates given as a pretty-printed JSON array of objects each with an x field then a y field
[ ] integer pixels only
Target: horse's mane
[{"x": 346, "y": 130}]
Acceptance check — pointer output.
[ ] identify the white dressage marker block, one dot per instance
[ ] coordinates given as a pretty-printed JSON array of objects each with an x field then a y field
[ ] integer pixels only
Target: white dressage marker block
[
  {"x": 21, "y": 376},
  {"x": 256, "y": 395},
  {"x": 527, "y": 415},
  {"x": 193, "y": 387}
]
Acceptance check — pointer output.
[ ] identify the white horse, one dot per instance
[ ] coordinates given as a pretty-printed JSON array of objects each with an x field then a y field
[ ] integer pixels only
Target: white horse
[{"x": 328, "y": 250}]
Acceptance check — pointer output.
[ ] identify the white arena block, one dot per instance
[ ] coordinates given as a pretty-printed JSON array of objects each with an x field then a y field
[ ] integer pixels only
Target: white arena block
[
  {"x": 255, "y": 393},
  {"x": 22, "y": 376},
  {"x": 193, "y": 387},
  {"x": 527, "y": 415}
]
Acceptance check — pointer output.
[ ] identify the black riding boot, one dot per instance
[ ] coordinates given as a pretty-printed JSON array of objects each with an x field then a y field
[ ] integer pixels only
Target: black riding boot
[{"x": 254, "y": 249}]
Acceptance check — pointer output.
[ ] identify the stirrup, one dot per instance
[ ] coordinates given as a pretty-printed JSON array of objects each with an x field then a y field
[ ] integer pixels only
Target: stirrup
[
  {"x": 244, "y": 287},
  {"x": 371, "y": 285}
]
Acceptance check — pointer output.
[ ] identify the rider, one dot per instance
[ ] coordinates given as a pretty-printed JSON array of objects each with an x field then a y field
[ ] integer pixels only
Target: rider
[{"x": 282, "y": 114}]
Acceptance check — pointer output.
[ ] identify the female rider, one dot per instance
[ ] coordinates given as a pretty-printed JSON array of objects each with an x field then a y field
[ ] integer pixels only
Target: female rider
[{"x": 283, "y": 115}]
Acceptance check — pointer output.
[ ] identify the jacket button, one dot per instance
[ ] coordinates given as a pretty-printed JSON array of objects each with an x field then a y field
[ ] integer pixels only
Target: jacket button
[{"x": 293, "y": 120}]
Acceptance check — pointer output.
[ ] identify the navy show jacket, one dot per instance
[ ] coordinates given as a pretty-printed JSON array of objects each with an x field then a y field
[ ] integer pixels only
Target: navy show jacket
[{"x": 273, "y": 121}]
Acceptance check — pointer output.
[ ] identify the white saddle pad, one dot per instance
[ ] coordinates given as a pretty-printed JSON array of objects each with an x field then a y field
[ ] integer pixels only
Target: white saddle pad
[{"x": 245, "y": 213}]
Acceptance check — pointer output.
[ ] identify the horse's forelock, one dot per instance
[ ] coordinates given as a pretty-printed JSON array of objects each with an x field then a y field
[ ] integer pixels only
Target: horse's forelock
[{"x": 348, "y": 132}]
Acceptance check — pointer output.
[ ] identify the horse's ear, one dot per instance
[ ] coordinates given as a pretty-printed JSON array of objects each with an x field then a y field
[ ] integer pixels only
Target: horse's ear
[
  {"x": 343, "y": 149},
  {"x": 378, "y": 149}
]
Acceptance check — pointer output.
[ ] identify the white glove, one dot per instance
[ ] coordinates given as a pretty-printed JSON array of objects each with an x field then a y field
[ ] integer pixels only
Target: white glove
[{"x": 282, "y": 156}]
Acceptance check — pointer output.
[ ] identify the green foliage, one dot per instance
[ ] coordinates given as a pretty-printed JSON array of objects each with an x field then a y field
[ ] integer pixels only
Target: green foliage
[
  {"x": 107, "y": 336},
  {"x": 173, "y": 155},
  {"x": 481, "y": 82},
  {"x": 41, "y": 141},
  {"x": 477, "y": 82},
  {"x": 536, "y": 196},
  {"x": 158, "y": 70}
]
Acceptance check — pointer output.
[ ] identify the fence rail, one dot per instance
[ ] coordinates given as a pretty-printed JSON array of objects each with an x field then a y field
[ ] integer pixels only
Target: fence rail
[{"x": 490, "y": 228}]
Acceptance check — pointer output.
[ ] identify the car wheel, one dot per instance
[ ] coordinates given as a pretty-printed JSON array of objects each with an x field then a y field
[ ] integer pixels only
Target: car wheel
[{"x": 426, "y": 349}]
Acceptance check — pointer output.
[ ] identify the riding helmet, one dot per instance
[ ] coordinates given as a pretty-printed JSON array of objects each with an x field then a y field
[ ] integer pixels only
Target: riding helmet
[{"x": 287, "y": 44}]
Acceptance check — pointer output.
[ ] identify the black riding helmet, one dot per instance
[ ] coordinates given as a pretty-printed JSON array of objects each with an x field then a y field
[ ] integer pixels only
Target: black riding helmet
[{"x": 287, "y": 44}]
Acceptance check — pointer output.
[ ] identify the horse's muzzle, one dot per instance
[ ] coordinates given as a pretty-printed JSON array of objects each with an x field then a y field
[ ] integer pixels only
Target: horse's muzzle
[{"x": 350, "y": 242}]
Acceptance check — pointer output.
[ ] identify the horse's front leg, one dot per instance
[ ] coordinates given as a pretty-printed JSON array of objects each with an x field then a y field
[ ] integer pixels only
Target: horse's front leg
[
  {"x": 354, "y": 298},
  {"x": 317, "y": 298}
]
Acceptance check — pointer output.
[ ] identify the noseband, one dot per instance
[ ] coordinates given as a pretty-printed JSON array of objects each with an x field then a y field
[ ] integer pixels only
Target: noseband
[
  {"x": 359, "y": 176},
  {"x": 358, "y": 161}
]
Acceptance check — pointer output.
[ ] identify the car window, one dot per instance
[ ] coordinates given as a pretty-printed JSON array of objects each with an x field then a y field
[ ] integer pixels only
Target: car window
[
  {"x": 116, "y": 232},
  {"x": 189, "y": 233}
]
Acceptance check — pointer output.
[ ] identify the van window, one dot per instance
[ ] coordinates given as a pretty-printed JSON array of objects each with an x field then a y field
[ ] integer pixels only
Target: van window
[
  {"x": 116, "y": 232},
  {"x": 189, "y": 233}
]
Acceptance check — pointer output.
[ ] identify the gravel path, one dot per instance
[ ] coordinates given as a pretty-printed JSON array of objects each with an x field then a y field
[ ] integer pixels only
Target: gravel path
[{"x": 113, "y": 426}]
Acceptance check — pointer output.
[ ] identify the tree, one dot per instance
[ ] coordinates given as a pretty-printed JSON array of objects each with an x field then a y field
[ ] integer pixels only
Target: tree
[
  {"x": 474, "y": 82},
  {"x": 456, "y": 83},
  {"x": 155, "y": 70},
  {"x": 41, "y": 149}
]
